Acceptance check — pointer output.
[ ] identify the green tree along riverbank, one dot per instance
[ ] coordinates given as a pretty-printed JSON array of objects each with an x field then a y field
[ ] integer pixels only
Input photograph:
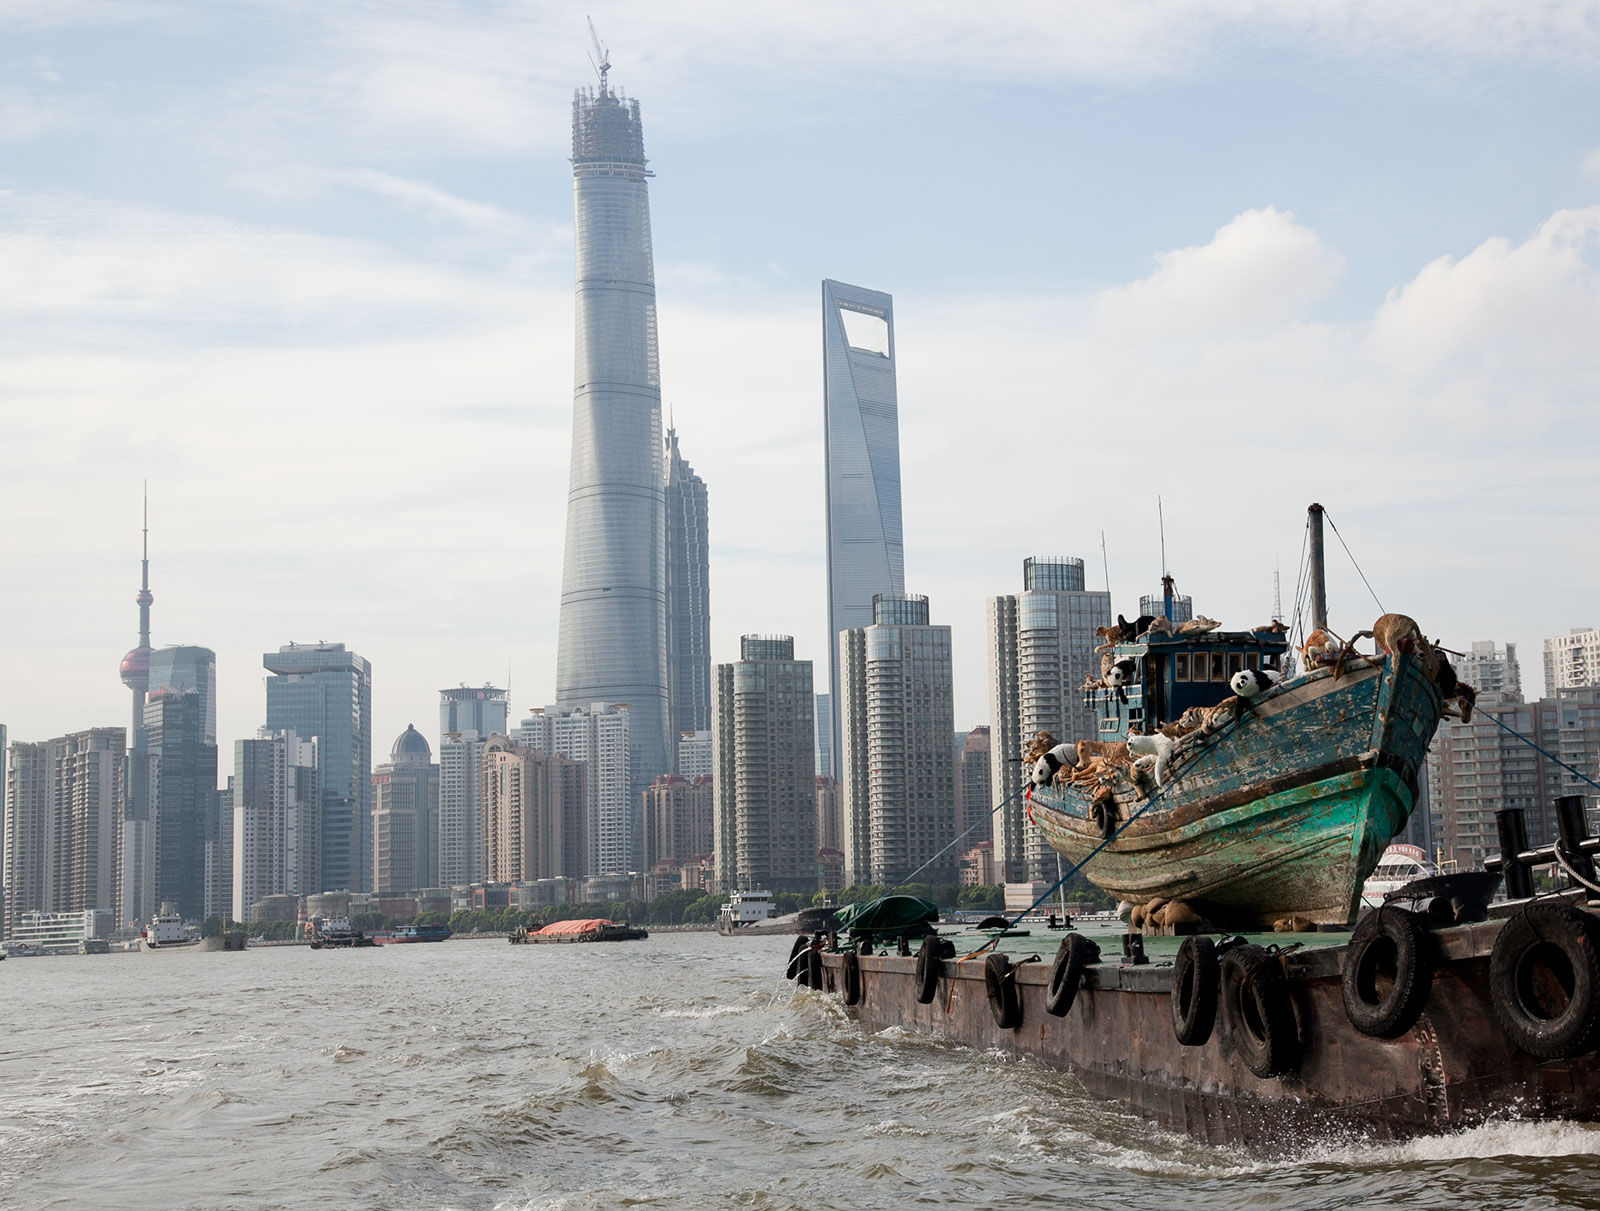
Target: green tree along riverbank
[{"x": 674, "y": 908}]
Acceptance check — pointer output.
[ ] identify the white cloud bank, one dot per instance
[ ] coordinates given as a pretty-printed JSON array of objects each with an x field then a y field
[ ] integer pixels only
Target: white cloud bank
[{"x": 345, "y": 442}]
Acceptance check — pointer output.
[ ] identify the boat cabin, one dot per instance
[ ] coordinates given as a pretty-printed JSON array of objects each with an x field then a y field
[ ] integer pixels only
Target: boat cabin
[{"x": 1172, "y": 673}]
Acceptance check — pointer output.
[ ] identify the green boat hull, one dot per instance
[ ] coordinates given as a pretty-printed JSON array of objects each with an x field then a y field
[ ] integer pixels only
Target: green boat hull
[{"x": 1284, "y": 813}]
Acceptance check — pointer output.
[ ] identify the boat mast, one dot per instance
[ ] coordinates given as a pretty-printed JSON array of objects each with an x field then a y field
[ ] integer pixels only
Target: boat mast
[
  {"x": 1166, "y": 578},
  {"x": 1319, "y": 583}
]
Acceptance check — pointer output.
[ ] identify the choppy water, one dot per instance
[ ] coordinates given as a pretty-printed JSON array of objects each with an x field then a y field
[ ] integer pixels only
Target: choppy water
[{"x": 680, "y": 1072}]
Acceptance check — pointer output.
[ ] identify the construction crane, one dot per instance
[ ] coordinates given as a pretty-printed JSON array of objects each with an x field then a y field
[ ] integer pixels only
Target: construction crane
[{"x": 601, "y": 58}]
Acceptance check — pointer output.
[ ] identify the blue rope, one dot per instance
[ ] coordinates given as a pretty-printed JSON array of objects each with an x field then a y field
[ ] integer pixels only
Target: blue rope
[{"x": 1009, "y": 798}]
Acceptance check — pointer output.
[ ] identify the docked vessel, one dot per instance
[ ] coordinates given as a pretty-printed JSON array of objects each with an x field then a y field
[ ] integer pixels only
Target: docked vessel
[
  {"x": 592, "y": 929},
  {"x": 746, "y": 910},
  {"x": 404, "y": 934},
  {"x": 336, "y": 933},
  {"x": 1269, "y": 808},
  {"x": 1399, "y": 865}
]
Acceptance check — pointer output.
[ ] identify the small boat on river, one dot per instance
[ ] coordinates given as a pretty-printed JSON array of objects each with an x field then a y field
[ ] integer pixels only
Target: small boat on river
[{"x": 404, "y": 934}]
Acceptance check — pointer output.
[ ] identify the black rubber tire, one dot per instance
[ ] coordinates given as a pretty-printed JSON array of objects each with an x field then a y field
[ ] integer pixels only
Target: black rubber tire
[
  {"x": 1196, "y": 985},
  {"x": 1389, "y": 944},
  {"x": 1005, "y": 1003},
  {"x": 1066, "y": 973},
  {"x": 930, "y": 966},
  {"x": 1544, "y": 976},
  {"x": 850, "y": 964},
  {"x": 1259, "y": 1015},
  {"x": 814, "y": 967},
  {"x": 795, "y": 951},
  {"x": 993, "y": 923}
]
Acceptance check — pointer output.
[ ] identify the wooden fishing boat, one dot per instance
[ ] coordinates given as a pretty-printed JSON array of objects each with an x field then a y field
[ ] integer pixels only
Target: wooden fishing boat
[{"x": 1282, "y": 812}]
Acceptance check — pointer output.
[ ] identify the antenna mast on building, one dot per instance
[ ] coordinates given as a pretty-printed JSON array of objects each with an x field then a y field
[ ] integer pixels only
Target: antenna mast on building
[{"x": 601, "y": 58}]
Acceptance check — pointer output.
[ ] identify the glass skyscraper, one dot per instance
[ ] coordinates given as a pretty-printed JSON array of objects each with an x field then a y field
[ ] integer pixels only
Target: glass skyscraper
[
  {"x": 861, "y": 429},
  {"x": 321, "y": 691},
  {"x": 613, "y": 643},
  {"x": 688, "y": 597},
  {"x": 183, "y": 668}
]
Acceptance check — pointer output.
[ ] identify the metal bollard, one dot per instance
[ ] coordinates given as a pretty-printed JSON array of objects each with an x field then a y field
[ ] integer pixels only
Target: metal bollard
[
  {"x": 1513, "y": 840},
  {"x": 1574, "y": 826}
]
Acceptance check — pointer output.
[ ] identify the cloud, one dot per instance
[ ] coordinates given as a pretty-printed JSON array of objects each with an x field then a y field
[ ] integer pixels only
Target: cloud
[{"x": 1258, "y": 270}]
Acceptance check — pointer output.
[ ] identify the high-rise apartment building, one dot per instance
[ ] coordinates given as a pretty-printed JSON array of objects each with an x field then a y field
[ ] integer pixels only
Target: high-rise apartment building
[
  {"x": 613, "y": 628},
  {"x": 679, "y": 812},
  {"x": 830, "y": 813},
  {"x": 535, "y": 813},
  {"x": 1571, "y": 660},
  {"x": 219, "y": 852},
  {"x": 467, "y": 718},
  {"x": 321, "y": 691},
  {"x": 277, "y": 818},
  {"x": 182, "y": 768},
  {"x": 405, "y": 830},
  {"x": 63, "y": 821},
  {"x": 1491, "y": 670},
  {"x": 1041, "y": 647},
  {"x": 897, "y": 712},
  {"x": 694, "y": 753},
  {"x": 688, "y": 596},
  {"x": 861, "y": 435},
  {"x": 599, "y": 735},
  {"x": 3, "y": 780},
  {"x": 973, "y": 779},
  {"x": 764, "y": 766}
]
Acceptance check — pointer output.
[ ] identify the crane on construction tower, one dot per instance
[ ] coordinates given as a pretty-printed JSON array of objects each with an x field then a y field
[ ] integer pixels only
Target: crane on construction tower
[{"x": 601, "y": 58}]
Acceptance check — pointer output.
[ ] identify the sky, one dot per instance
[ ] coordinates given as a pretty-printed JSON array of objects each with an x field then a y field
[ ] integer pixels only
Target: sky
[{"x": 306, "y": 269}]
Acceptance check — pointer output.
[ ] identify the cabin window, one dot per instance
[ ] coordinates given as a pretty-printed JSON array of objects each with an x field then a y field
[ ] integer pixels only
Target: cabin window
[
  {"x": 1180, "y": 666},
  {"x": 1217, "y": 673},
  {"x": 1235, "y": 664},
  {"x": 1271, "y": 660},
  {"x": 1252, "y": 660}
]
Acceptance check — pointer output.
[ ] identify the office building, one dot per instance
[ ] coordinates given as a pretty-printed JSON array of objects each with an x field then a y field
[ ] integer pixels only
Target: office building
[
  {"x": 764, "y": 764},
  {"x": 182, "y": 767},
  {"x": 973, "y": 807},
  {"x": 599, "y": 735},
  {"x": 478, "y": 709},
  {"x": 278, "y": 811},
  {"x": 861, "y": 436},
  {"x": 1572, "y": 660},
  {"x": 688, "y": 597},
  {"x": 612, "y": 640},
  {"x": 219, "y": 852},
  {"x": 824, "y": 716},
  {"x": 535, "y": 813},
  {"x": 1041, "y": 648},
  {"x": 405, "y": 806},
  {"x": 188, "y": 669},
  {"x": 468, "y": 716},
  {"x": 897, "y": 716},
  {"x": 321, "y": 691},
  {"x": 678, "y": 819}
]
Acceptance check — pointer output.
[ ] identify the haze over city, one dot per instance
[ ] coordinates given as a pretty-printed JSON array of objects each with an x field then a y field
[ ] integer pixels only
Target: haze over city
[{"x": 308, "y": 271}]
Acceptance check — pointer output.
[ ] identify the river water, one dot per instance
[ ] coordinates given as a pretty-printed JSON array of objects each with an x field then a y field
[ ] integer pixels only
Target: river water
[{"x": 678, "y": 1072}]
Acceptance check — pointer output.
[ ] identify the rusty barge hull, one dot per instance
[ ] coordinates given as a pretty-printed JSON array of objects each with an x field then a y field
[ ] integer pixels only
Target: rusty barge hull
[{"x": 1453, "y": 1070}]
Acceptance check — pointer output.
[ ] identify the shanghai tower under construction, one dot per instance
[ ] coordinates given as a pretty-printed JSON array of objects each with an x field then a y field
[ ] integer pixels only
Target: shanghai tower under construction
[{"x": 612, "y": 644}]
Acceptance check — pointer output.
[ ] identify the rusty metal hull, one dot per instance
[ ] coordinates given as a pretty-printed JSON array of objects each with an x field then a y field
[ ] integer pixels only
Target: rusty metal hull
[
  {"x": 1452, "y": 1070},
  {"x": 1285, "y": 811}
]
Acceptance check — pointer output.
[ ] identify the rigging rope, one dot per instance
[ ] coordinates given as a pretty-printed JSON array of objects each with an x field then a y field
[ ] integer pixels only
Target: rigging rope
[
  {"x": 1357, "y": 566},
  {"x": 1008, "y": 799},
  {"x": 1489, "y": 715}
]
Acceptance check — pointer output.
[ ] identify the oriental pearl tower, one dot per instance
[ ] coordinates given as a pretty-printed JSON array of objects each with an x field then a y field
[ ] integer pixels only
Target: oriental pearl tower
[{"x": 136, "y": 664}]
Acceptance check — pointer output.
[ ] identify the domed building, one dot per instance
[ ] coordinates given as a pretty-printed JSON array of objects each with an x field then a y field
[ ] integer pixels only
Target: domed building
[{"x": 405, "y": 811}]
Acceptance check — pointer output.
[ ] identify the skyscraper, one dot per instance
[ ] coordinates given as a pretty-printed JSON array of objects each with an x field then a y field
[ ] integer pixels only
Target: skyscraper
[
  {"x": 467, "y": 718},
  {"x": 861, "y": 434},
  {"x": 182, "y": 765},
  {"x": 974, "y": 806},
  {"x": 688, "y": 597},
  {"x": 764, "y": 768},
  {"x": 897, "y": 711},
  {"x": 612, "y": 643},
  {"x": 1041, "y": 647},
  {"x": 25, "y": 868},
  {"x": 277, "y": 816},
  {"x": 405, "y": 800},
  {"x": 480, "y": 709},
  {"x": 185, "y": 668},
  {"x": 1572, "y": 660},
  {"x": 597, "y": 735},
  {"x": 535, "y": 809},
  {"x": 320, "y": 691},
  {"x": 679, "y": 813}
]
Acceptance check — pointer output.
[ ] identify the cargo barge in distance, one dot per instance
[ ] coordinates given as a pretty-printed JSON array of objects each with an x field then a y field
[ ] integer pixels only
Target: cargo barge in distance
[{"x": 1239, "y": 827}]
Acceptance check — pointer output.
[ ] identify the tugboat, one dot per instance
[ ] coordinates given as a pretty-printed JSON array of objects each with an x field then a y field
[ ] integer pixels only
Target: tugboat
[
  {"x": 336, "y": 933},
  {"x": 403, "y": 934},
  {"x": 1266, "y": 810}
]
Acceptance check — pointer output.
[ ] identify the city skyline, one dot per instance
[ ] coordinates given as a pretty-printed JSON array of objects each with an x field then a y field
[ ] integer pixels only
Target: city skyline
[{"x": 394, "y": 292}]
